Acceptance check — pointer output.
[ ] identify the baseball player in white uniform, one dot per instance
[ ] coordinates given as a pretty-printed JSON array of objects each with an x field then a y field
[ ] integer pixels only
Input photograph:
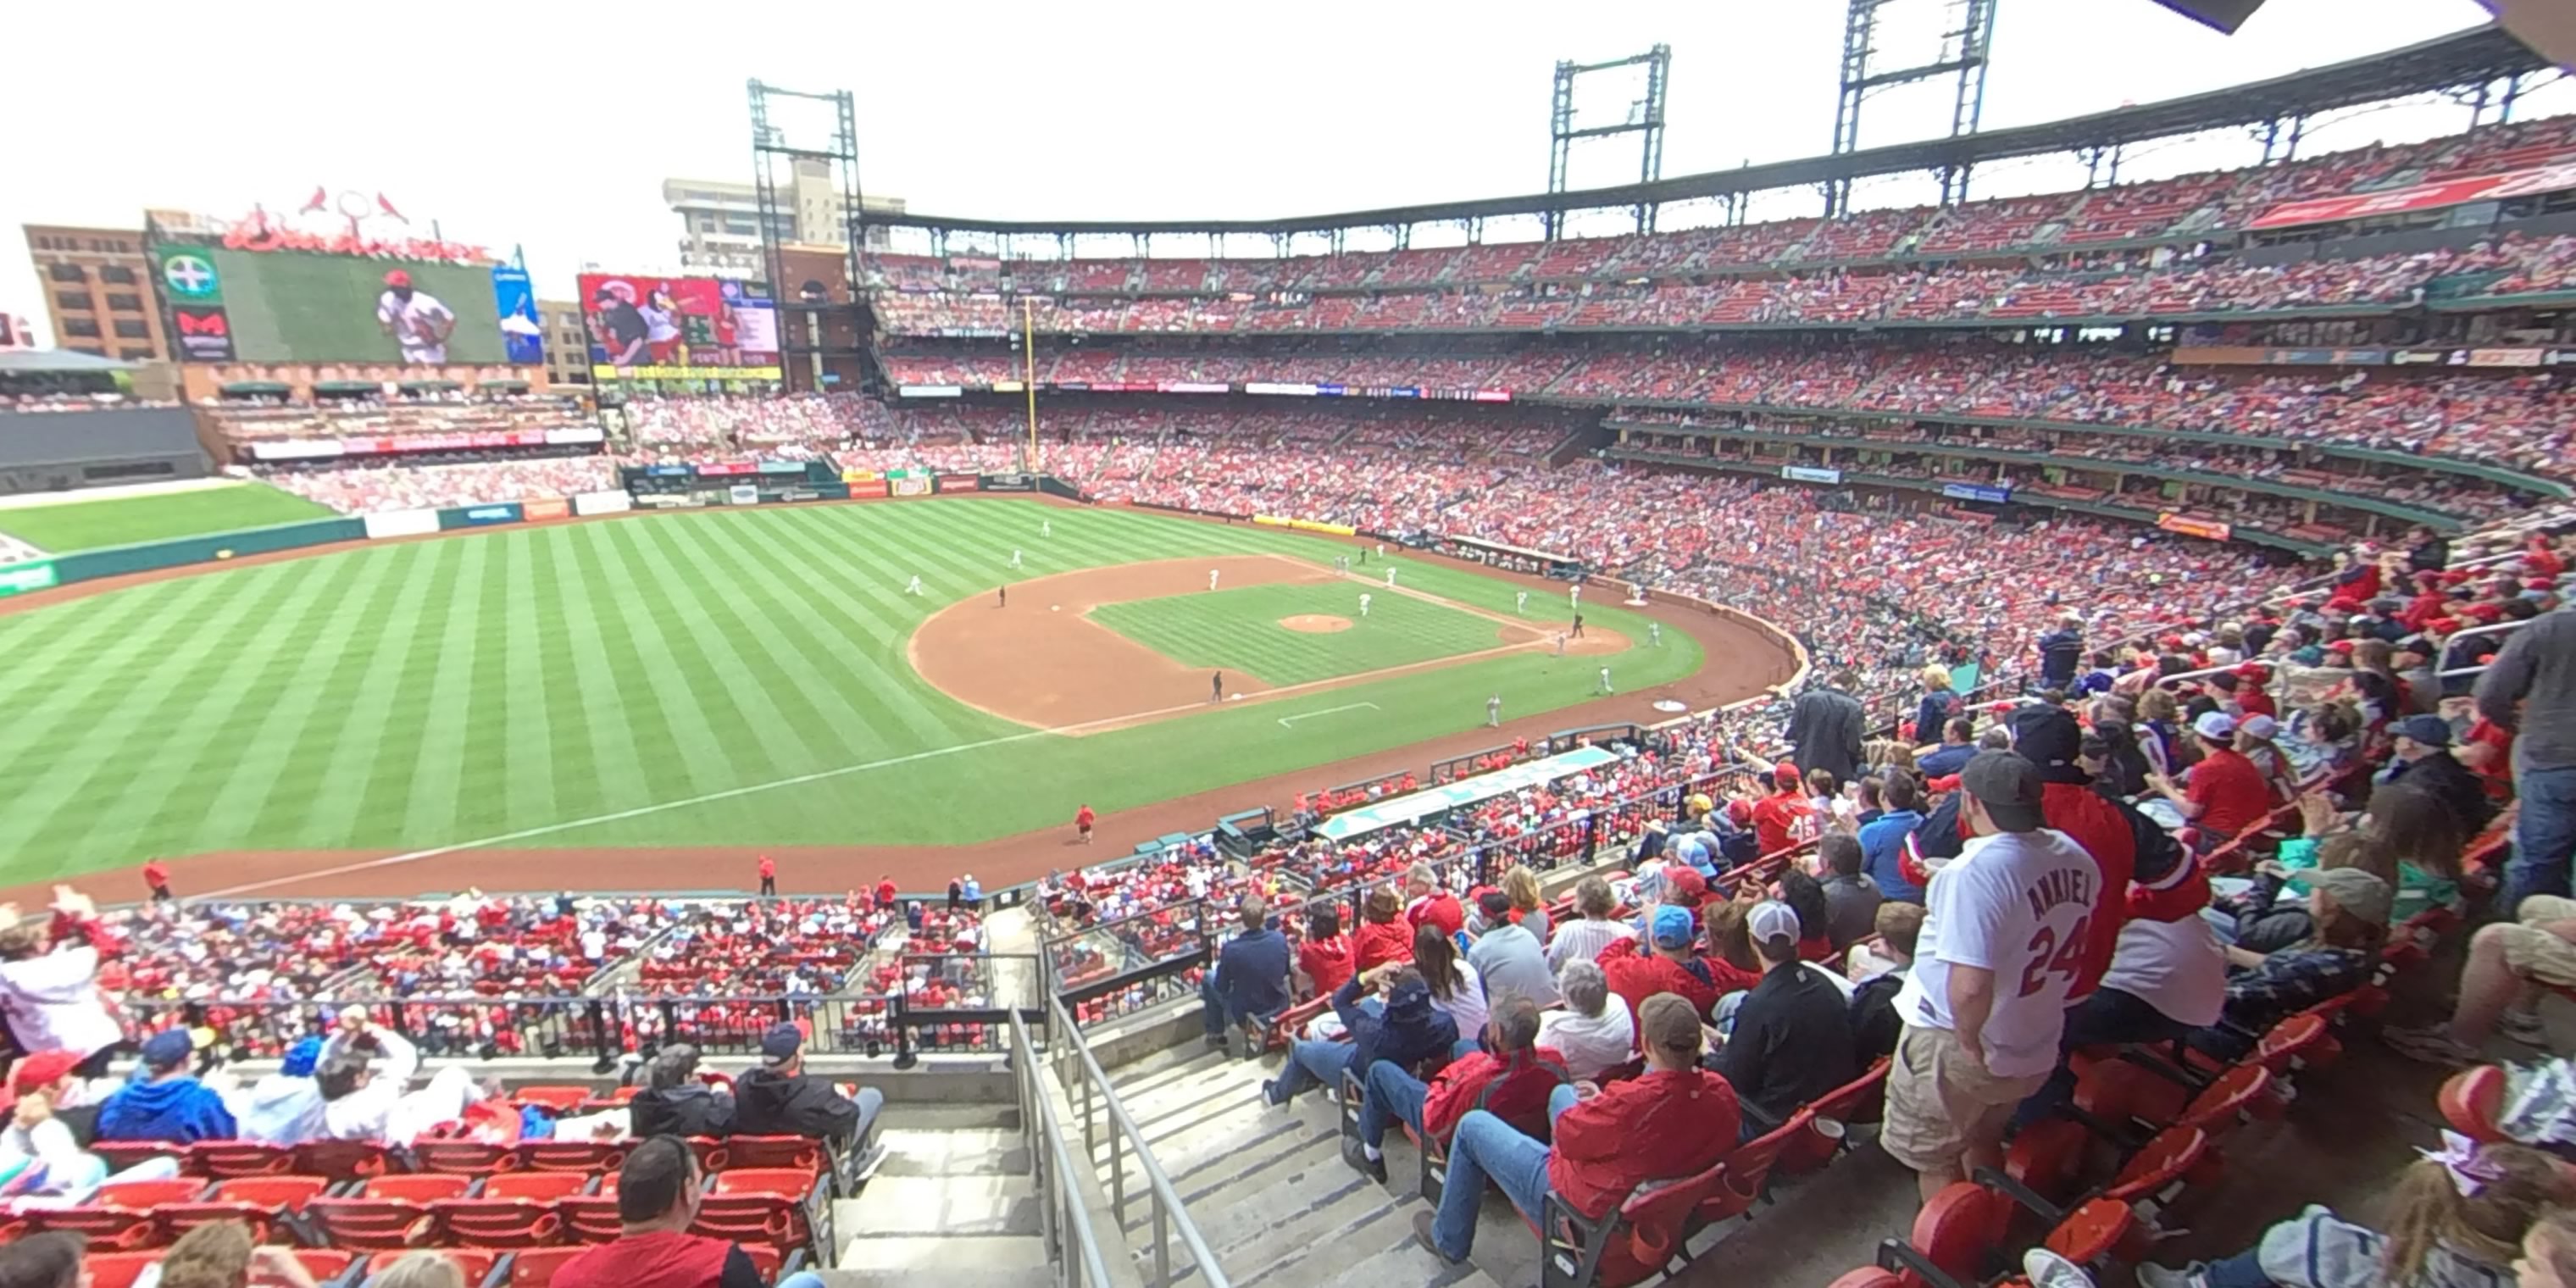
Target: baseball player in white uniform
[
  {"x": 1655, "y": 634},
  {"x": 914, "y": 587},
  {"x": 1520, "y": 602},
  {"x": 1015, "y": 556},
  {"x": 1605, "y": 679},
  {"x": 415, "y": 319},
  {"x": 1212, "y": 578},
  {"x": 1046, "y": 527},
  {"x": 1494, "y": 712},
  {"x": 1390, "y": 579},
  {"x": 1574, "y": 595},
  {"x": 1364, "y": 603}
]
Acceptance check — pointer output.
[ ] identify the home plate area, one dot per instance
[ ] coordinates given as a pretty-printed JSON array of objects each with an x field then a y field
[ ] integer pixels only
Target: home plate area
[{"x": 1121, "y": 646}]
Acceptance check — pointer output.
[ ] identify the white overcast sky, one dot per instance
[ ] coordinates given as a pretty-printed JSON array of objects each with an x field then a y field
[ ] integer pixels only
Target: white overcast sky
[{"x": 551, "y": 126}]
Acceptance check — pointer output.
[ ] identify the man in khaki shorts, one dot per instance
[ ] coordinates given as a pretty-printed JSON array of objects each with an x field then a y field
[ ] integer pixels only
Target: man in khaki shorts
[
  {"x": 2002, "y": 943},
  {"x": 2508, "y": 963}
]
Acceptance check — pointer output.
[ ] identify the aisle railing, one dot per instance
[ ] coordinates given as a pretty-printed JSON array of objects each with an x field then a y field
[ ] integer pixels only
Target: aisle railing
[{"x": 1104, "y": 1118}]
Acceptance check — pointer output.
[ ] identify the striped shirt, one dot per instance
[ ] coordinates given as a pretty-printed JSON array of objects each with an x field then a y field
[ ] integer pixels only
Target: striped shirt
[{"x": 1583, "y": 939}]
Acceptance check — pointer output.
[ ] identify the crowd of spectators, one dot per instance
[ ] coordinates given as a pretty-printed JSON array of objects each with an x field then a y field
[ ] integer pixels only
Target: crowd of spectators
[
  {"x": 2179, "y": 209},
  {"x": 440, "y": 480}
]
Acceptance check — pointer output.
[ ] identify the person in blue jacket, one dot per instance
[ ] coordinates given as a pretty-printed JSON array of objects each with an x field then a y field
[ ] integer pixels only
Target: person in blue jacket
[
  {"x": 165, "y": 1101},
  {"x": 1408, "y": 1032}
]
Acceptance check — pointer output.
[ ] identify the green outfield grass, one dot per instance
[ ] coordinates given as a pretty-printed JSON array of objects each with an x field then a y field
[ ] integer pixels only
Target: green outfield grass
[
  {"x": 125, "y": 520},
  {"x": 1239, "y": 629},
  {"x": 521, "y": 685}
]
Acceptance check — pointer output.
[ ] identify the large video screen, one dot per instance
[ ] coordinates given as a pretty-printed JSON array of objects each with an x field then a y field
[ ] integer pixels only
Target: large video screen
[
  {"x": 678, "y": 328},
  {"x": 289, "y": 306}
]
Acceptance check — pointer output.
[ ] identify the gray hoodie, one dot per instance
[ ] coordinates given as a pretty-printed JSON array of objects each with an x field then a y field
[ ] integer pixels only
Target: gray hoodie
[{"x": 279, "y": 1110}]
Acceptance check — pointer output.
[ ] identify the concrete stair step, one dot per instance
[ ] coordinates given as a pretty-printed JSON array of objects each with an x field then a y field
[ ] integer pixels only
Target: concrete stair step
[
  {"x": 967, "y": 1205},
  {"x": 914, "y": 1260},
  {"x": 970, "y": 1150}
]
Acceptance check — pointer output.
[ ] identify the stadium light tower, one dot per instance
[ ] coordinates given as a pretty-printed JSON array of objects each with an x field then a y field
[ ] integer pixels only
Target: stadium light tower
[
  {"x": 1966, "y": 35},
  {"x": 788, "y": 169},
  {"x": 1645, "y": 117}
]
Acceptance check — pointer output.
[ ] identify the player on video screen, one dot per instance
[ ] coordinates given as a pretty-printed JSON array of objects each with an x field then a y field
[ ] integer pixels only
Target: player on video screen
[{"x": 415, "y": 319}]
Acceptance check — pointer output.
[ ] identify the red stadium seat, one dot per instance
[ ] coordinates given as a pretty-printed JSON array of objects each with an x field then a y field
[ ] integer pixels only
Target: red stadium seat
[
  {"x": 475, "y": 1262},
  {"x": 473, "y": 1158},
  {"x": 590, "y": 1218},
  {"x": 2470, "y": 1101},
  {"x": 117, "y": 1216},
  {"x": 584, "y": 1156},
  {"x": 341, "y": 1160},
  {"x": 494, "y": 1222},
  {"x": 540, "y": 1187},
  {"x": 258, "y": 1201},
  {"x": 386, "y": 1212},
  {"x": 793, "y": 1152},
  {"x": 535, "y": 1267},
  {"x": 561, "y": 1099},
  {"x": 224, "y": 1158}
]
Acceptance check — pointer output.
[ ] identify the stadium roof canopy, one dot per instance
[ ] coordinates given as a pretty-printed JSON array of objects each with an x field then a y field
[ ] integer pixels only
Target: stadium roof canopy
[
  {"x": 2468, "y": 57},
  {"x": 21, "y": 362}
]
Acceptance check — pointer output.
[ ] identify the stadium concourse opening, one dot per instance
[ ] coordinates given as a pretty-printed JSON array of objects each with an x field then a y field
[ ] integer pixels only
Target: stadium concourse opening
[{"x": 1041, "y": 658}]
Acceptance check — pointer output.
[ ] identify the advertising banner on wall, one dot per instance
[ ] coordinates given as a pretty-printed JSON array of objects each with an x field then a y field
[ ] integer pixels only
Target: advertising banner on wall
[
  {"x": 402, "y": 523},
  {"x": 2191, "y": 527},
  {"x": 2423, "y": 196},
  {"x": 1976, "y": 492},
  {"x": 1810, "y": 474},
  {"x": 523, "y": 333},
  {"x": 645, "y": 327},
  {"x": 602, "y": 503},
  {"x": 20, "y": 578}
]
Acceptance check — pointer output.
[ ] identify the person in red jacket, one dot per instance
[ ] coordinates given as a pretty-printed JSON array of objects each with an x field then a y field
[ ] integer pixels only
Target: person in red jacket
[
  {"x": 1383, "y": 936},
  {"x": 1786, "y": 816},
  {"x": 1676, "y": 1120},
  {"x": 657, "y": 1201},
  {"x": 1083, "y": 818},
  {"x": 1512, "y": 1081},
  {"x": 1324, "y": 956},
  {"x": 768, "y": 876},
  {"x": 2226, "y": 793},
  {"x": 1669, "y": 966},
  {"x": 886, "y": 893},
  {"x": 156, "y": 878},
  {"x": 1426, "y": 900}
]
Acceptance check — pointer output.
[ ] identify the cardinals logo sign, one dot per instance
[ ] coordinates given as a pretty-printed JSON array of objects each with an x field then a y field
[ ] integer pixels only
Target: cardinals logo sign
[{"x": 357, "y": 223}]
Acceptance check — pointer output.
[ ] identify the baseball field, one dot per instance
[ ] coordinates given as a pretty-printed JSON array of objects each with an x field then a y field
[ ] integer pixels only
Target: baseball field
[{"x": 756, "y": 678}]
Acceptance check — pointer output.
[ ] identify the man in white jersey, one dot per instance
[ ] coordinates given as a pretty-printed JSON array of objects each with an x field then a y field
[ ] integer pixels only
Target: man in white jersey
[
  {"x": 2003, "y": 940},
  {"x": 415, "y": 319}
]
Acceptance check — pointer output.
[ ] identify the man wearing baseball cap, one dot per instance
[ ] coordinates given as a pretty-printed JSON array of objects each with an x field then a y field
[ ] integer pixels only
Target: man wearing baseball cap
[
  {"x": 2226, "y": 793},
  {"x": 415, "y": 319},
  {"x": 2004, "y": 940},
  {"x": 780, "y": 1099},
  {"x": 1792, "y": 1040},
  {"x": 2421, "y": 754},
  {"x": 1668, "y": 964},
  {"x": 166, "y": 1102}
]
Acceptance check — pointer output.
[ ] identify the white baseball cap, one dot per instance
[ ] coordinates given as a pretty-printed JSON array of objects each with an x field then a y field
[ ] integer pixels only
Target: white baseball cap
[
  {"x": 2215, "y": 724},
  {"x": 1772, "y": 919}
]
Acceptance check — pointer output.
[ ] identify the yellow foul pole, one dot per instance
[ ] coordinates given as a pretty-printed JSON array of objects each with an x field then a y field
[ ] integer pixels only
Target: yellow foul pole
[{"x": 1029, "y": 380}]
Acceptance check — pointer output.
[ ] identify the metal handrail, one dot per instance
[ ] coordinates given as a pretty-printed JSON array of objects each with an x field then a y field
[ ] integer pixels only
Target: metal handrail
[
  {"x": 1125, "y": 1138},
  {"x": 1060, "y": 1204}
]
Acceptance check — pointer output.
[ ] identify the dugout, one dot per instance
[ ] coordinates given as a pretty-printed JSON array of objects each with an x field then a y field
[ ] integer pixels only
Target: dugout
[{"x": 64, "y": 451}]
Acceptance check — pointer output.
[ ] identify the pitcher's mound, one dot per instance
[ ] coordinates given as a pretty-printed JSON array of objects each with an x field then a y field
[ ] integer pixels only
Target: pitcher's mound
[{"x": 1316, "y": 623}]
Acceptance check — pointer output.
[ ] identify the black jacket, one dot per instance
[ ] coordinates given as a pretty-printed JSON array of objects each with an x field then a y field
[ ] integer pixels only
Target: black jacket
[
  {"x": 690, "y": 1109},
  {"x": 1791, "y": 1044},
  {"x": 769, "y": 1103},
  {"x": 1826, "y": 726}
]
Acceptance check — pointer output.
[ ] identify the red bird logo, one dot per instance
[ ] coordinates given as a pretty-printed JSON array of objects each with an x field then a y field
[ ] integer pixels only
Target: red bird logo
[
  {"x": 388, "y": 208},
  {"x": 320, "y": 199}
]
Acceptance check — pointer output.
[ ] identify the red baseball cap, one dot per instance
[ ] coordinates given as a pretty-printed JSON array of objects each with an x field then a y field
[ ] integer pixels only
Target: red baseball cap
[
  {"x": 2252, "y": 671},
  {"x": 1687, "y": 881},
  {"x": 397, "y": 278},
  {"x": 2339, "y": 646},
  {"x": 43, "y": 1069}
]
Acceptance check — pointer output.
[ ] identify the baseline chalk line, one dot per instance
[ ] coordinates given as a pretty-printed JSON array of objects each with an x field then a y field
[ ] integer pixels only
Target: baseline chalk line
[{"x": 1285, "y": 721}]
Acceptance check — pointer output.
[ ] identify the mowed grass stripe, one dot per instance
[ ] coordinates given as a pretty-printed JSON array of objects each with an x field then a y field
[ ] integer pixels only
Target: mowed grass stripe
[
  {"x": 526, "y": 747},
  {"x": 879, "y": 621},
  {"x": 820, "y": 653},
  {"x": 435, "y": 660},
  {"x": 275, "y": 761},
  {"x": 114, "y": 723},
  {"x": 614, "y": 729},
  {"x": 665, "y": 770},
  {"x": 672, "y": 670},
  {"x": 848, "y": 640},
  {"x": 62, "y": 703},
  {"x": 434, "y": 726},
  {"x": 349, "y": 764},
  {"x": 482, "y": 798},
  {"x": 63, "y": 642},
  {"x": 749, "y": 677},
  {"x": 171, "y": 791}
]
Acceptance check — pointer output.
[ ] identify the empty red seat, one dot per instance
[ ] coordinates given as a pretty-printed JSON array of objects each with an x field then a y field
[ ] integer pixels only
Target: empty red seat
[
  {"x": 2470, "y": 1101},
  {"x": 473, "y": 1158},
  {"x": 118, "y": 1216},
  {"x": 590, "y": 1218},
  {"x": 535, "y": 1267},
  {"x": 539, "y": 1187},
  {"x": 386, "y": 1212},
  {"x": 494, "y": 1222},
  {"x": 2167, "y": 1159},
  {"x": 260, "y": 1202},
  {"x": 584, "y": 1156},
  {"x": 116, "y": 1269},
  {"x": 795, "y": 1152},
  {"x": 226, "y": 1158},
  {"x": 342, "y": 1160}
]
